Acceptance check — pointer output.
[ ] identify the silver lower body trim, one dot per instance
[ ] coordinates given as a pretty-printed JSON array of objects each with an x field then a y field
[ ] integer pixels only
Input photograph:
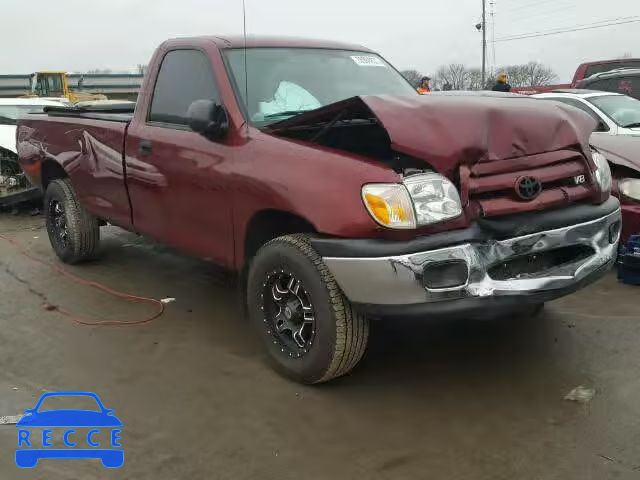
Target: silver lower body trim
[{"x": 398, "y": 280}]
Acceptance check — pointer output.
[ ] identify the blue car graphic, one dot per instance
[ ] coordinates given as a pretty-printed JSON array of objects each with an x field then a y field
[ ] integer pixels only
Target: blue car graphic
[{"x": 28, "y": 457}]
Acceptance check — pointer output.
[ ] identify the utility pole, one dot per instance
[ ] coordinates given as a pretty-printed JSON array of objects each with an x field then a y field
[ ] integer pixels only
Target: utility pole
[
  {"x": 492, "y": 13},
  {"x": 484, "y": 43}
]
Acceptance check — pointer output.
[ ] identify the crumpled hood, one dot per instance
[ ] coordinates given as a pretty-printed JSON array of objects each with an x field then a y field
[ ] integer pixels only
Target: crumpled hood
[
  {"x": 449, "y": 130},
  {"x": 622, "y": 150}
]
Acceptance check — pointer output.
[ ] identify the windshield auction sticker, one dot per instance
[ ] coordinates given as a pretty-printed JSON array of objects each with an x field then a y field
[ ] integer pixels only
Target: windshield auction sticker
[
  {"x": 69, "y": 433},
  {"x": 368, "y": 61}
]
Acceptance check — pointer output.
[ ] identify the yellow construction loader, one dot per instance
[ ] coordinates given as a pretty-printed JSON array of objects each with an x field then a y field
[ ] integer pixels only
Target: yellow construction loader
[{"x": 56, "y": 84}]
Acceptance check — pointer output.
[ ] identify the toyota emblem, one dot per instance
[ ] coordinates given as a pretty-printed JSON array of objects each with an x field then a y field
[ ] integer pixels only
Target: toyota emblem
[{"x": 528, "y": 188}]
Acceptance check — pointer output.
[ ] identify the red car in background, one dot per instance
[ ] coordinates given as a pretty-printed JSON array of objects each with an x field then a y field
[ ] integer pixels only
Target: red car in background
[
  {"x": 584, "y": 71},
  {"x": 625, "y": 81}
]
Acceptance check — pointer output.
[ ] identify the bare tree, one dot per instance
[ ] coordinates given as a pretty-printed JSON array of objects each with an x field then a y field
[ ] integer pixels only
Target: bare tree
[
  {"x": 474, "y": 79},
  {"x": 532, "y": 73},
  {"x": 455, "y": 74},
  {"x": 141, "y": 68},
  {"x": 413, "y": 77},
  {"x": 538, "y": 74},
  {"x": 516, "y": 74},
  {"x": 460, "y": 77}
]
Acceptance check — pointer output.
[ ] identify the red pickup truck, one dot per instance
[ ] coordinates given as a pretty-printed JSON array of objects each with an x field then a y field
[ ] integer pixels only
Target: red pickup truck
[
  {"x": 315, "y": 171},
  {"x": 583, "y": 72}
]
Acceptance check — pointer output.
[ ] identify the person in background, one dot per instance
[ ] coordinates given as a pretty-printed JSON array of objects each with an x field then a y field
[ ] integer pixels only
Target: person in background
[
  {"x": 424, "y": 86},
  {"x": 502, "y": 84}
]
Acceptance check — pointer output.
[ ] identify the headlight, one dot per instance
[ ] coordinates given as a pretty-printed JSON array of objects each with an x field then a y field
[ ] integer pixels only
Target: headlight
[
  {"x": 434, "y": 197},
  {"x": 603, "y": 172},
  {"x": 420, "y": 200},
  {"x": 630, "y": 187},
  {"x": 389, "y": 204}
]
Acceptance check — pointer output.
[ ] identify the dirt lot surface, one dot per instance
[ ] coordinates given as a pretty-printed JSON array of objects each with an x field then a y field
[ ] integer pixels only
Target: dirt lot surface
[{"x": 456, "y": 399}]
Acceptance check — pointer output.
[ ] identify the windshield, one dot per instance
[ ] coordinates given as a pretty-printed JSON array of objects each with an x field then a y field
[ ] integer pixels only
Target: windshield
[
  {"x": 623, "y": 110},
  {"x": 9, "y": 114},
  {"x": 286, "y": 81}
]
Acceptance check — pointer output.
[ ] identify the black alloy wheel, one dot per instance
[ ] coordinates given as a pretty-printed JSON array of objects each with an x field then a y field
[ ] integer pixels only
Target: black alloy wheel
[
  {"x": 309, "y": 329},
  {"x": 288, "y": 313}
]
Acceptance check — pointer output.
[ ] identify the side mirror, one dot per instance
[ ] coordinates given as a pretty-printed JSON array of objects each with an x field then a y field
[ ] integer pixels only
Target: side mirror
[
  {"x": 602, "y": 127},
  {"x": 208, "y": 118}
]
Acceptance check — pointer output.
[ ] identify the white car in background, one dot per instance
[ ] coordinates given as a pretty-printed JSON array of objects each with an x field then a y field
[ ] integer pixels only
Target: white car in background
[
  {"x": 14, "y": 187},
  {"x": 617, "y": 137},
  {"x": 616, "y": 114}
]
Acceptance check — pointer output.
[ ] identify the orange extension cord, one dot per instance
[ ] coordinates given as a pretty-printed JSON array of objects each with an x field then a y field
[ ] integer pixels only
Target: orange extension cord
[{"x": 80, "y": 320}]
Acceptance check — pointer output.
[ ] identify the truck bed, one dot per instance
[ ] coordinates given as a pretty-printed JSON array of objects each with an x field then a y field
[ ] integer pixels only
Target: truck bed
[{"x": 87, "y": 141}]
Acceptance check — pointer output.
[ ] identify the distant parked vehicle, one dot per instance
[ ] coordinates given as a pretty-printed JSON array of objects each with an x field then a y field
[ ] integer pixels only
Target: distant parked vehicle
[
  {"x": 616, "y": 114},
  {"x": 56, "y": 84},
  {"x": 624, "y": 80},
  {"x": 584, "y": 71},
  {"x": 14, "y": 186},
  {"x": 617, "y": 137}
]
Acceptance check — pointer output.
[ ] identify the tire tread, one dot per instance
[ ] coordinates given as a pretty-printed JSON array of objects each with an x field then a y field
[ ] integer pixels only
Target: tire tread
[
  {"x": 82, "y": 226},
  {"x": 352, "y": 327}
]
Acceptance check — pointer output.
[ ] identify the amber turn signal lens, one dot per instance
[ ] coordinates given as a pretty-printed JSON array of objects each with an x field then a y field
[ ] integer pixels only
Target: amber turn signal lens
[{"x": 389, "y": 205}]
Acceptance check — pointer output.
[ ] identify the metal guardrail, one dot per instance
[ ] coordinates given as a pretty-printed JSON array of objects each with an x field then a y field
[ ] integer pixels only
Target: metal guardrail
[{"x": 113, "y": 85}]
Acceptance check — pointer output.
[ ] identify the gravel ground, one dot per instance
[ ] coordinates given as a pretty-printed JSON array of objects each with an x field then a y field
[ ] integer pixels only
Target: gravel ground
[{"x": 455, "y": 399}]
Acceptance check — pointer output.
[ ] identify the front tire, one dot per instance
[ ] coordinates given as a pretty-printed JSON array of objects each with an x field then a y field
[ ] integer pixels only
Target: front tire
[
  {"x": 309, "y": 328},
  {"x": 73, "y": 232}
]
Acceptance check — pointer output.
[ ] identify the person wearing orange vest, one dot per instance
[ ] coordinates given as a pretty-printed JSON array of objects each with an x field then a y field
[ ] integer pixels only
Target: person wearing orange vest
[{"x": 424, "y": 87}]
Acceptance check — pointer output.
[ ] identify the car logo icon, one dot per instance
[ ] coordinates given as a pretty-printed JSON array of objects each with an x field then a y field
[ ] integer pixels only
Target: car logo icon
[
  {"x": 29, "y": 441},
  {"x": 528, "y": 188}
]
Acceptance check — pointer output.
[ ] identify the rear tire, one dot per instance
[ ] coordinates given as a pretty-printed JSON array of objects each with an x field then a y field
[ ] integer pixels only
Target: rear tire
[
  {"x": 73, "y": 232},
  {"x": 288, "y": 285}
]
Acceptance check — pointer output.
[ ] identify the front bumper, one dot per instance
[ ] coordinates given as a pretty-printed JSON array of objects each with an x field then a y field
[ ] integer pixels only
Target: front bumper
[{"x": 390, "y": 284}]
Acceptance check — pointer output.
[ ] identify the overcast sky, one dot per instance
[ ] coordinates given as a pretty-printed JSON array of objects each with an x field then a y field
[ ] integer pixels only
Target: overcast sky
[{"x": 76, "y": 35}]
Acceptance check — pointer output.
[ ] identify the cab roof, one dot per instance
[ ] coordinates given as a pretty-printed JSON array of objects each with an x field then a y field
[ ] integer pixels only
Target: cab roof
[
  {"x": 259, "y": 41},
  {"x": 575, "y": 92},
  {"x": 33, "y": 101},
  {"x": 579, "y": 91}
]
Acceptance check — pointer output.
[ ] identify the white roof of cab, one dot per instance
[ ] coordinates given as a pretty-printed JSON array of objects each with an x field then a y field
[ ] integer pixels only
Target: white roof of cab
[
  {"x": 32, "y": 101},
  {"x": 576, "y": 94}
]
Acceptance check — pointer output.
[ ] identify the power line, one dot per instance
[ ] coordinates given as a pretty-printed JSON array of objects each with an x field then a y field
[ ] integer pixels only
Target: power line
[
  {"x": 541, "y": 15},
  {"x": 518, "y": 8},
  {"x": 576, "y": 28}
]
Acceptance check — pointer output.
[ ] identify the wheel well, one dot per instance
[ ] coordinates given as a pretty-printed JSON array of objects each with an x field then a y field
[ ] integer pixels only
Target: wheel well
[
  {"x": 7, "y": 152},
  {"x": 270, "y": 224},
  {"x": 8, "y": 155},
  {"x": 51, "y": 171}
]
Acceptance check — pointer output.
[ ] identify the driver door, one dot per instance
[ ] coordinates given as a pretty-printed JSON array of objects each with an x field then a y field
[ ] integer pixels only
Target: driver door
[{"x": 177, "y": 179}]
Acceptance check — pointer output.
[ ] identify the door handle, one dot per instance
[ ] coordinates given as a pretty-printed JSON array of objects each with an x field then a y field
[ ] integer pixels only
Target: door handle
[{"x": 145, "y": 148}]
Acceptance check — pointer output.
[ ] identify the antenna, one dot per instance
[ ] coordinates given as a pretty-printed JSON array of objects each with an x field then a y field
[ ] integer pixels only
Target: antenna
[{"x": 246, "y": 71}]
